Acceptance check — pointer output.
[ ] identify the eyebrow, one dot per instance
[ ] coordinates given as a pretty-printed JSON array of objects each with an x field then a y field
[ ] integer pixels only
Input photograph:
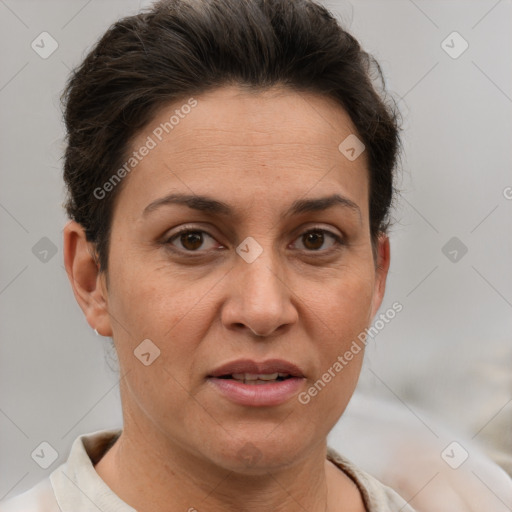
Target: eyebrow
[{"x": 214, "y": 207}]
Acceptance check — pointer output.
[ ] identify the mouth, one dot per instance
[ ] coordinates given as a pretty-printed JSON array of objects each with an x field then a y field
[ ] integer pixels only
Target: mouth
[
  {"x": 255, "y": 379},
  {"x": 249, "y": 383},
  {"x": 247, "y": 369}
]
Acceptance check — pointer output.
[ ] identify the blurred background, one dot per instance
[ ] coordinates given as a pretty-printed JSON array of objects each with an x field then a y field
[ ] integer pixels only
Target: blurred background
[{"x": 443, "y": 362}]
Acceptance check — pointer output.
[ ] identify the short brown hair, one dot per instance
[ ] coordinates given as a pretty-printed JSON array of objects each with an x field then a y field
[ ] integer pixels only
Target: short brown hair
[{"x": 180, "y": 48}]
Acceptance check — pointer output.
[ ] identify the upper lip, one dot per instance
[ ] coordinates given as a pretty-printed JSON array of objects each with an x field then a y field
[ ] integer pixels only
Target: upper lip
[{"x": 265, "y": 367}]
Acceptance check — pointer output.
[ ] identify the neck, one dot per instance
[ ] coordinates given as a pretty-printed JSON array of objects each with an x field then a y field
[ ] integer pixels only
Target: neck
[{"x": 167, "y": 478}]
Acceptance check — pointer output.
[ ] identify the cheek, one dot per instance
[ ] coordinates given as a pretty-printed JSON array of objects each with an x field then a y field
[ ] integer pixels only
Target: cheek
[
  {"x": 354, "y": 301},
  {"x": 152, "y": 300},
  {"x": 172, "y": 311},
  {"x": 340, "y": 312},
  {"x": 343, "y": 307}
]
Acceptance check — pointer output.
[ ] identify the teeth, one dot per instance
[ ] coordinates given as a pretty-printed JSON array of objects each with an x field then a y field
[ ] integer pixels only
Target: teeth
[
  {"x": 257, "y": 378},
  {"x": 270, "y": 376}
]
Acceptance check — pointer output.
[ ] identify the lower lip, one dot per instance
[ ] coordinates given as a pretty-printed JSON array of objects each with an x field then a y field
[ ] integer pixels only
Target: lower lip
[{"x": 258, "y": 395}]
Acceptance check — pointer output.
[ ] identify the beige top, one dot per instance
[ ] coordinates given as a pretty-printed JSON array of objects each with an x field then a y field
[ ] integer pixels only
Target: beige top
[{"x": 76, "y": 487}]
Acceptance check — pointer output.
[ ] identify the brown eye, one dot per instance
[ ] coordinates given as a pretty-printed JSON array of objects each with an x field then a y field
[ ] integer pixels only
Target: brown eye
[
  {"x": 313, "y": 240},
  {"x": 316, "y": 239},
  {"x": 190, "y": 240}
]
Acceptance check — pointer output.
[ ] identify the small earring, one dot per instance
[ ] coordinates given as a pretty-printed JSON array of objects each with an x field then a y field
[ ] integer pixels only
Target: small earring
[{"x": 96, "y": 332}]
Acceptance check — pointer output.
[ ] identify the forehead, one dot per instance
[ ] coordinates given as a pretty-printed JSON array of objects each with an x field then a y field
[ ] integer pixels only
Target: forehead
[
  {"x": 246, "y": 118},
  {"x": 235, "y": 144}
]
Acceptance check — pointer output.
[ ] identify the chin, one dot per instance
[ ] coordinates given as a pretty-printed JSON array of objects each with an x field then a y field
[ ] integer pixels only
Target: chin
[{"x": 258, "y": 453}]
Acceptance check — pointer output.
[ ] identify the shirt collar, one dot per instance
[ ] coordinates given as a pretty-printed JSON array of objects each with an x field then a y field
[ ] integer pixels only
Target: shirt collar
[{"x": 77, "y": 485}]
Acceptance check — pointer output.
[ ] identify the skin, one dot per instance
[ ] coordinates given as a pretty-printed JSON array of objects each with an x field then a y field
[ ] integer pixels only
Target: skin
[{"x": 298, "y": 301}]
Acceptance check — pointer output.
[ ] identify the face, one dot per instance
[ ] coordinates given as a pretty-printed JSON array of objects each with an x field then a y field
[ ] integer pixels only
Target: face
[{"x": 267, "y": 275}]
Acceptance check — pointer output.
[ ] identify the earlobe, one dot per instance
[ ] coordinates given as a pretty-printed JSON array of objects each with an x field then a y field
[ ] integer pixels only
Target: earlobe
[
  {"x": 381, "y": 272},
  {"x": 85, "y": 279}
]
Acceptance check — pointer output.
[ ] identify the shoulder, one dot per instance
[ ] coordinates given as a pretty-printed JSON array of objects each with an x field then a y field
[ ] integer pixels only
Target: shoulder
[
  {"x": 39, "y": 498},
  {"x": 74, "y": 484},
  {"x": 377, "y": 496}
]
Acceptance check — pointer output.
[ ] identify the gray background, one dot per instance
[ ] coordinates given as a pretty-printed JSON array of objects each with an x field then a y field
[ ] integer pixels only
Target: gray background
[{"x": 449, "y": 351}]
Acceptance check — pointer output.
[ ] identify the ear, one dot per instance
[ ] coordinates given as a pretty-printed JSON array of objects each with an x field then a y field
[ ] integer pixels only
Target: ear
[
  {"x": 88, "y": 284},
  {"x": 381, "y": 272}
]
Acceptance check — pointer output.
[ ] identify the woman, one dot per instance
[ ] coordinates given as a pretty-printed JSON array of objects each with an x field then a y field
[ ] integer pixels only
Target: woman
[{"x": 230, "y": 173}]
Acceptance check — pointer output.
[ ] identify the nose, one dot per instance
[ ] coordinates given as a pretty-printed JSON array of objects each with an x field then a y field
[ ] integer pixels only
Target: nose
[{"x": 260, "y": 300}]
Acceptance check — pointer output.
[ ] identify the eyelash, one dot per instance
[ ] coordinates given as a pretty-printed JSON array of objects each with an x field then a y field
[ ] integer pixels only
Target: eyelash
[{"x": 339, "y": 242}]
